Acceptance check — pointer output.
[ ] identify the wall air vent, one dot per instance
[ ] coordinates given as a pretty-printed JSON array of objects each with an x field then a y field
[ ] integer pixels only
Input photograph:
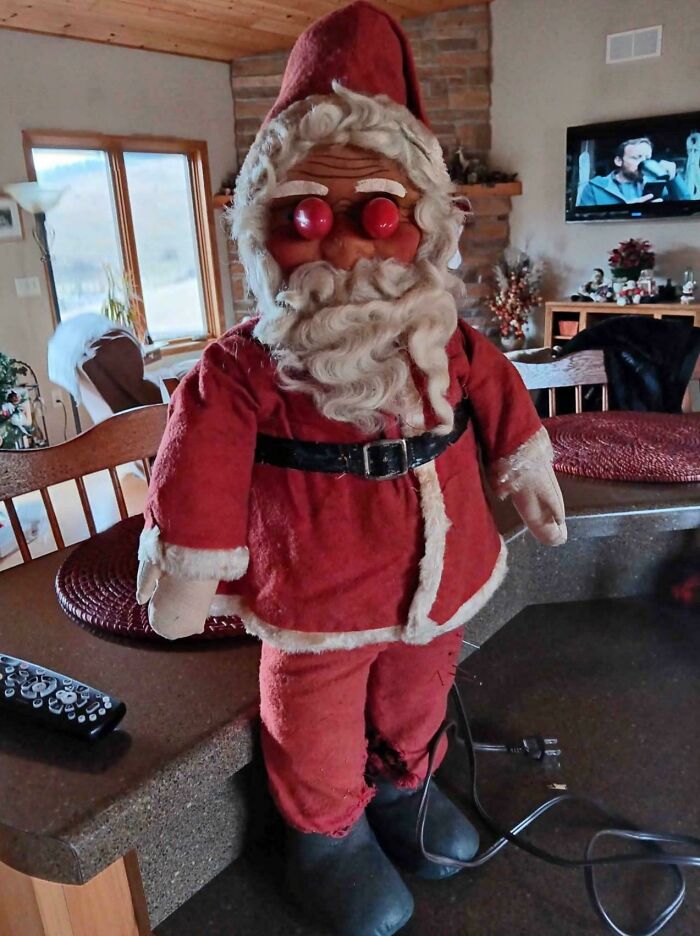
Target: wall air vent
[{"x": 633, "y": 44}]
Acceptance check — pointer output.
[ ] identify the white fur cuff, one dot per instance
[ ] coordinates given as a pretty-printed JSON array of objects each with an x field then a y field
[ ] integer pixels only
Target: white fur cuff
[
  {"x": 224, "y": 565},
  {"x": 509, "y": 474}
]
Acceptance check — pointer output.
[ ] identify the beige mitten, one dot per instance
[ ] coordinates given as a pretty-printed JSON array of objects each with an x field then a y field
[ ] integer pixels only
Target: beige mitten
[
  {"x": 541, "y": 505},
  {"x": 178, "y": 607}
]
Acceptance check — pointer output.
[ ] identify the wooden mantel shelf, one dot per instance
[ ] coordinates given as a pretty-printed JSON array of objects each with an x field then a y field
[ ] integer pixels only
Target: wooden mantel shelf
[{"x": 499, "y": 189}]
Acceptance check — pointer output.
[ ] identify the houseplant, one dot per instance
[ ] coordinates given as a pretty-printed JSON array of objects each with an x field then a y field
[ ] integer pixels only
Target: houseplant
[
  {"x": 13, "y": 428},
  {"x": 120, "y": 304},
  {"x": 515, "y": 296},
  {"x": 630, "y": 257}
]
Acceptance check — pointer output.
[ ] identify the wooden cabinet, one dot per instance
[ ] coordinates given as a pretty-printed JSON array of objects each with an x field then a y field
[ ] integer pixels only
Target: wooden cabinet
[{"x": 564, "y": 320}]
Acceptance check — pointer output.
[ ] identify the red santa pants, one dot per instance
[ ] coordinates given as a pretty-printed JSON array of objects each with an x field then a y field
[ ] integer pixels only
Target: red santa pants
[{"x": 329, "y": 719}]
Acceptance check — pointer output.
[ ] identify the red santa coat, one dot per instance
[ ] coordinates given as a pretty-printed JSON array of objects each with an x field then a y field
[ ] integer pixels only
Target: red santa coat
[{"x": 314, "y": 561}]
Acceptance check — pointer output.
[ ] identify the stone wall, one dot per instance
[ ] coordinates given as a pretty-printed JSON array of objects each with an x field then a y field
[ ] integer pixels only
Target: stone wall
[{"x": 453, "y": 59}]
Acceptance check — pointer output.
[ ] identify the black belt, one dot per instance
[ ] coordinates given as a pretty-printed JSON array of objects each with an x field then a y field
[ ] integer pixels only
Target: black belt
[{"x": 380, "y": 460}]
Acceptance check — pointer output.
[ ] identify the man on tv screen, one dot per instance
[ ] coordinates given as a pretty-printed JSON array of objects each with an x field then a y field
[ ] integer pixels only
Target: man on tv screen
[{"x": 635, "y": 178}]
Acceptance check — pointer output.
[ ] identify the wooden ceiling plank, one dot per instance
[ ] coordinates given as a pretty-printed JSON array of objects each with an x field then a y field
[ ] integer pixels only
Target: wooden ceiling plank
[
  {"x": 155, "y": 18},
  {"x": 208, "y": 16},
  {"x": 126, "y": 23},
  {"x": 55, "y": 23}
]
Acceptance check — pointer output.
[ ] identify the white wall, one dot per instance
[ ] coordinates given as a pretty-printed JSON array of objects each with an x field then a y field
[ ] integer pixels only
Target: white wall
[
  {"x": 549, "y": 72},
  {"x": 65, "y": 84}
]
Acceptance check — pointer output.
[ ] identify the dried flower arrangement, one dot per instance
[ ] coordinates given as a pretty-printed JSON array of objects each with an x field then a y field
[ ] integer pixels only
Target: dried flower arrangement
[{"x": 516, "y": 293}]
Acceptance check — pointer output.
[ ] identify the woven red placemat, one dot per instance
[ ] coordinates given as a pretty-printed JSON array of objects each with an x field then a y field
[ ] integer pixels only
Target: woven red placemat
[
  {"x": 96, "y": 587},
  {"x": 627, "y": 446}
]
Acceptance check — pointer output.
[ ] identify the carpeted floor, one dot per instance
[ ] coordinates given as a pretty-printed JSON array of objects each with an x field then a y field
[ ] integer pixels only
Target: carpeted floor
[{"x": 618, "y": 682}]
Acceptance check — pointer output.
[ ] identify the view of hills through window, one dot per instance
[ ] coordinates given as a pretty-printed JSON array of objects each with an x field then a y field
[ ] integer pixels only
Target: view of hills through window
[{"x": 85, "y": 242}]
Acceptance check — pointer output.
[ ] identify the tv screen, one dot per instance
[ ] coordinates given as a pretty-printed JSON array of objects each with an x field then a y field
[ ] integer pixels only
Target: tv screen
[{"x": 648, "y": 168}]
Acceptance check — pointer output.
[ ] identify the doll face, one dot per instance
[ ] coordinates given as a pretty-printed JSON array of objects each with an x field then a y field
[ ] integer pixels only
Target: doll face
[{"x": 333, "y": 207}]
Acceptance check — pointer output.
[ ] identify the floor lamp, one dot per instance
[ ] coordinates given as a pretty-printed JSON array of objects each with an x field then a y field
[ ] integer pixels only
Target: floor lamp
[{"x": 37, "y": 199}]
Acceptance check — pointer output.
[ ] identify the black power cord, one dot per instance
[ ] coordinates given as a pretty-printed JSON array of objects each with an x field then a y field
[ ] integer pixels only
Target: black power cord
[{"x": 622, "y": 829}]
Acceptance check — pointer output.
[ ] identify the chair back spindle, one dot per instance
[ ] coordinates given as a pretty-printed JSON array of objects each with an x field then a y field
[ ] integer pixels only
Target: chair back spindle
[{"x": 132, "y": 436}]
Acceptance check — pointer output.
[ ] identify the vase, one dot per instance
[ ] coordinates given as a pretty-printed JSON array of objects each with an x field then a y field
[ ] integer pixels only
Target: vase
[
  {"x": 626, "y": 273},
  {"x": 512, "y": 343}
]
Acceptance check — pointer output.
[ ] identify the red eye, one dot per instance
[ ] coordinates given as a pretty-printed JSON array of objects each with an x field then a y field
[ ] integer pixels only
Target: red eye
[
  {"x": 380, "y": 218},
  {"x": 313, "y": 218}
]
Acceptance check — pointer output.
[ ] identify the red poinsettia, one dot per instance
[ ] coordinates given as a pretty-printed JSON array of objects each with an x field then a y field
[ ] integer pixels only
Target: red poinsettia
[{"x": 632, "y": 254}]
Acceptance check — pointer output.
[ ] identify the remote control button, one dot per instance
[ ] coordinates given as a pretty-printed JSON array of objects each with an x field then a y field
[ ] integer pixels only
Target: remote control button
[
  {"x": 10, "y": 681},
  {"x": 39, "y": 671},
  {"x": 93, "y": 707},
  {"x": 92, "y": 717},
  {"x": 83, "y": 688},
  {"x": 9, "y": 693},
  {"x": 70, "y": 708},
  {"x": 10, "y": 670},
  {"x": 70, "y": 715},
  {"x": 37, "y": 703},
  {"x": 28, "y": 692},
  {"x": 81, "y": 703},
  {"x": 55, "y": 709},
  {"x": 108, "y": 705},
  {"x": 102, "y": 711},
  {"x": 105, "y": 699},
  {"x": 81, "y": 718},
  {"x": 66, "y": 696}
]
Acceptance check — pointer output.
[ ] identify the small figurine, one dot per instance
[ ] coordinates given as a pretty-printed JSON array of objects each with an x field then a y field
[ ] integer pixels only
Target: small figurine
[
  {"x": 630, "y": 293},
  {"x": 647, "y": 284},
  {"x": 688, "y": 290},
  {"x": 597, "y": 289}
]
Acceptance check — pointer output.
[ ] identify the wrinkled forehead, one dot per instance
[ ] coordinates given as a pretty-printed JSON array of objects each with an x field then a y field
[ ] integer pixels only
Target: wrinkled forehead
[{"x": 333, "y": 164}]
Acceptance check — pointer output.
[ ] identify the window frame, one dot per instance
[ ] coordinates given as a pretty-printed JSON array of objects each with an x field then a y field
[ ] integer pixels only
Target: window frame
[{"x": 200, "y": 187}]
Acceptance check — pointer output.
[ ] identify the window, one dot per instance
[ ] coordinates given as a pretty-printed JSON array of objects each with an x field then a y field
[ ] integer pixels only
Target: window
[{"x": 135, "y": 210}]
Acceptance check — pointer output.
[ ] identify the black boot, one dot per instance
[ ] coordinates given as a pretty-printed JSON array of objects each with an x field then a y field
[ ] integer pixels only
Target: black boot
[
  {"x": 393, "y": 814},
  {"x": 348, "y": 884}
]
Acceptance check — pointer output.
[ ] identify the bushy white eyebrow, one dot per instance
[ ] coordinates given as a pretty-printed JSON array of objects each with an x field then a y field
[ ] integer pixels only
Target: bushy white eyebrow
[
  {"x": 298, "y": 187},
  {"x": 381, "y": 185}
]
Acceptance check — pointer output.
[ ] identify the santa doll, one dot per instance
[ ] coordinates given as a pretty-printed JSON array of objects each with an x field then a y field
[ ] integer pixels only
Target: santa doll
[{"x": 320, "y": 472}]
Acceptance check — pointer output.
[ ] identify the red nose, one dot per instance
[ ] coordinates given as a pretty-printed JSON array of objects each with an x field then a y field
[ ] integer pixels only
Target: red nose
[
  {"x": 313, "y": 218},
  {"x": 380, "y": 218}
]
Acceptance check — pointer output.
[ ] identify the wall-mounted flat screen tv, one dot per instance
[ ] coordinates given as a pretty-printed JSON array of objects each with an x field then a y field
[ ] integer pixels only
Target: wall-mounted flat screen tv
[{"x": 646, "y": 168}]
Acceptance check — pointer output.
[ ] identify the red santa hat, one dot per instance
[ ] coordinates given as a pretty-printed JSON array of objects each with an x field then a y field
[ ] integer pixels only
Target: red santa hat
[{"x": 359, "y": 46}]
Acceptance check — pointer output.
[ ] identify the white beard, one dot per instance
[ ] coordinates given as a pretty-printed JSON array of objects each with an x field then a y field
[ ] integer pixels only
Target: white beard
[{"x": 348, "y": 336}]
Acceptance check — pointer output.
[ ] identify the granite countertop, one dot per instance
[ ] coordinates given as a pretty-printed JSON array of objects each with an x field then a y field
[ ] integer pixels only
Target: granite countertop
[{"x": 69, "y": 809}]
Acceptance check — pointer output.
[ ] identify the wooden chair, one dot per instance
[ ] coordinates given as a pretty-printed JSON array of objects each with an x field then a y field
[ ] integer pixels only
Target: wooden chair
[
  {"x": 580, "y": 370},
  {"x": 584, "y": 369},
  {"x": 131, "y": 436}
]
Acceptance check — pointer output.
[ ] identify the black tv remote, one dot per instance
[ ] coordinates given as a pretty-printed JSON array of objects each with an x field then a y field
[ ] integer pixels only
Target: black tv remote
[{"x": 56, "y": 701}]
